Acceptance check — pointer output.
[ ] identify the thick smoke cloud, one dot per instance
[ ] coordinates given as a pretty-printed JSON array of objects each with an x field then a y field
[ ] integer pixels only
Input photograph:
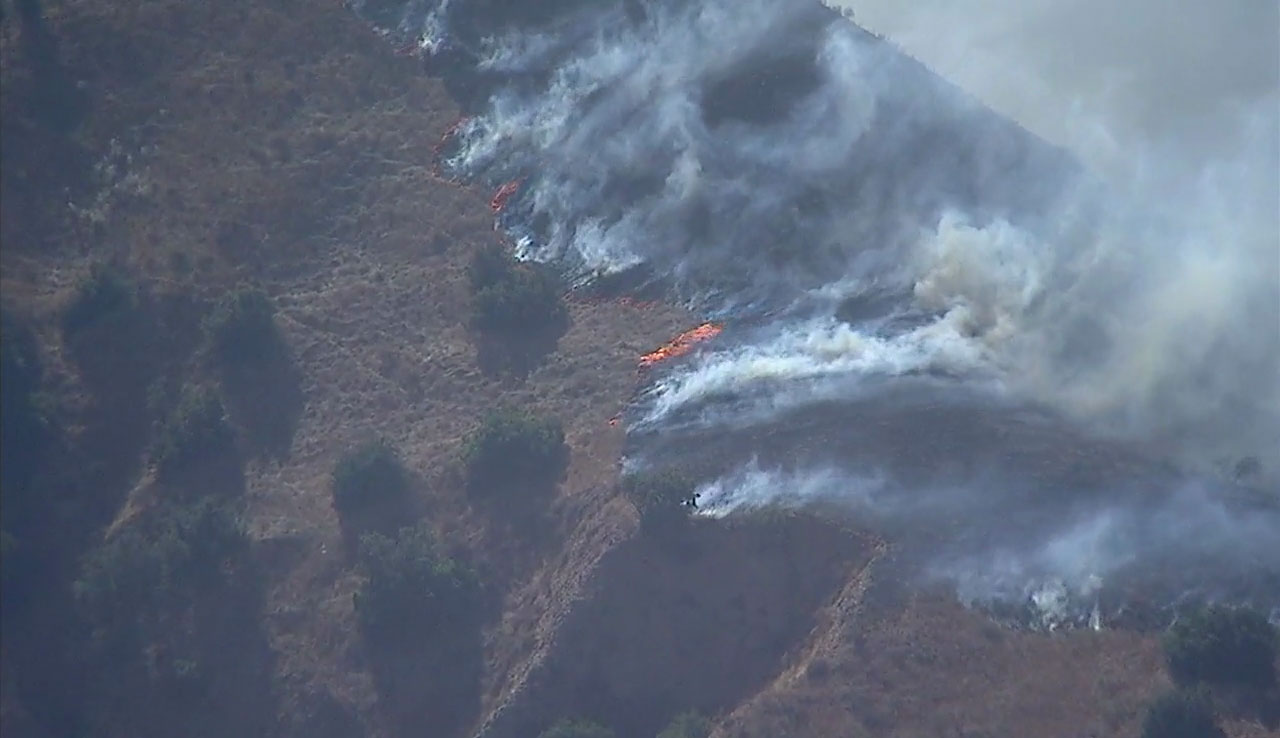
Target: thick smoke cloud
[
  {"x": 998, "y": 539},
  {"x": 918, "y": 291},
  {"x": 1103, "y": 78},
  {"x": 1177, "y": 106}
]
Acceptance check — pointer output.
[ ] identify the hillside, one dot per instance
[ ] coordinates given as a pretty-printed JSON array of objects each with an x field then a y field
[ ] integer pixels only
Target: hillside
[{"x": 190, "y": 150}]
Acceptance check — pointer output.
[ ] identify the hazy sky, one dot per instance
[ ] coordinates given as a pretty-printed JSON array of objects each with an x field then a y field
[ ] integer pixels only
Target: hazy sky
[{"x": 1103, "y": 75}]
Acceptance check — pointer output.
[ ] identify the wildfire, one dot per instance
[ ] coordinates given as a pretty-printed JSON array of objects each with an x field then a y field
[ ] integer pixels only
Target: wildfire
[
  {"x": 681, "y": 344},
  {"x": 503, "y": 194},
  {"x": 451, "y": 131},
  {"x": 446, "y": 139}
]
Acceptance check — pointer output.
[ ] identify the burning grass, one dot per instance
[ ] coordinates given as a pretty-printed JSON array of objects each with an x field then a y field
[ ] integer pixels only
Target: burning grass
[
  {"x": 503, "y": 195},
  {"x": 681, "y": 344}
]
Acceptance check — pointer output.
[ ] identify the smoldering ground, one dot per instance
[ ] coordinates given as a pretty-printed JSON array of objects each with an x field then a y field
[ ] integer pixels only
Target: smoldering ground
[{"x": 906, "y": 275}]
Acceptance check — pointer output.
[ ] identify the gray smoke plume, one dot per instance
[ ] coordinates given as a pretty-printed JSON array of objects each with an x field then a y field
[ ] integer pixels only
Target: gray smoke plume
[{"x": 916, "y": 289}]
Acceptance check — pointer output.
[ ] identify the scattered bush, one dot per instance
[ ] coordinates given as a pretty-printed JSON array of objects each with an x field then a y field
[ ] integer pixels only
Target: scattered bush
[
  {"x": 197, "y": 430},
  {"x": 103, "y": 296},
  {"x": 530, "y": 300},
  {"x": 1222, "y": 645},
  {"x": 687, "y": 725},
  {"x": 1181, "y": 714},
  {"x": 241, "y": 329},
  {"x": 663, "y": 499},
  {"x": 510, "y": 298},
  {"x": 147, "y": 559},
  {"x": 411, "y": 585},
  {"x": 371, "y": 472},
  {"x": 576, "y": 729},
  {"x": 515, "y": 446}
]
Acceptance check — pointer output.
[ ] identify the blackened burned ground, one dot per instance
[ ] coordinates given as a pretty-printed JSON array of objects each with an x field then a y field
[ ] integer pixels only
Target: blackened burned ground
[{"x": 959, "y": 483}]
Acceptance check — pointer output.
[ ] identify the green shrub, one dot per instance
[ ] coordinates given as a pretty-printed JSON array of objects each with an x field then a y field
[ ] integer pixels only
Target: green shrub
[
  {"x": 370, "y": 472},
  {"x": 687, "y": 725},
  {"x": 664, "y": 499},
  {"x": 1222, "y": 645},
  {"x": 149, "y": 558},
  {"x": 1181, "y": 714},
  {"x": 104, "y": 295},
  {"x": 196, "y": 431},
  {"x": 241, "y": 328},
  {"x": 576, "y": 729},
  {"x": 511, "y": 299},
  {"x": 515, "y": 446},
  {"x": 411, "y": 585}
]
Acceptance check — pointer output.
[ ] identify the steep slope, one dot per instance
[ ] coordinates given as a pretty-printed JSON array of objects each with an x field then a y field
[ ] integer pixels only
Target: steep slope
[{"x": 284, "y": 144}]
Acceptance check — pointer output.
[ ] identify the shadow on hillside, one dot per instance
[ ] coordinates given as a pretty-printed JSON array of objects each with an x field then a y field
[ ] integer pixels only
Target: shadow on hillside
[
  {"x": 516, "y": 508},
  {"x": 517, "y": 356},
  {"x": 198, "y": 664},
  {"x": 436, "y": 683},
  {"x": 44, "y": 166},
  {"x": 321, "y": 715},
  {"x": 186, "y": 655},
  {"x": 54, "y": 100},
  {"x": 431, "y": 681},
  {"x": 520, "y": 528},
  {"x": 119, "y": 357},
  {"x": 1251, "y": 704},
  {"x": 128, "y": 651},
  {"x": 216, "y": 475},
  {"x": 265, "y": 399},
  {"x": 695, "y": 618},
  {"x": 385, "y": 515}
]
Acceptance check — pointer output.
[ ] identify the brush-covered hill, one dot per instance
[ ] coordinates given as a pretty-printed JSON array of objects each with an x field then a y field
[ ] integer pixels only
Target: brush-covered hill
[{"x": 260, "y": 362}]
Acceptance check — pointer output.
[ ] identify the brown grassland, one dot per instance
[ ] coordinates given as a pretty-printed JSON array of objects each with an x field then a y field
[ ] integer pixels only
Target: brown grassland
[{"x": 283, "y": 144}]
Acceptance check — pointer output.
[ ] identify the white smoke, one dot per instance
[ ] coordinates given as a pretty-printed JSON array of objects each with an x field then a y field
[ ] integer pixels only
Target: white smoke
[
  {"x": 866, "y": 228},
  {"x": 807, "y": 363},
  {"x": 1177, "y": 106},
  {"x": 981, "y": 536},
  {"x": 1141, "y": 319}
]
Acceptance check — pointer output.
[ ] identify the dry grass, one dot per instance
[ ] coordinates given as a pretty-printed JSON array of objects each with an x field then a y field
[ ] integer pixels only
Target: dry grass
[{"x": 283, "y": 144}]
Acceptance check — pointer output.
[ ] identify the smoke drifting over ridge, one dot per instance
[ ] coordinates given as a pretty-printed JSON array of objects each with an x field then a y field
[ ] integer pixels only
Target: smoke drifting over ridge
[
  {"x": 916, "y": 291},
  {"x": 1108, "y": 80},
  {"x": 1177, "y": 106}
]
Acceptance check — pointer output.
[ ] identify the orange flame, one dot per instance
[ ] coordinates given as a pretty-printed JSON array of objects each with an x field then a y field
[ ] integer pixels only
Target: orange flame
[
  {"x": 445, "y": 139},
  {"x": 503, "y": 194},
  {"x": 452, "y": 131},
  {"x": 681, "y": 344}
]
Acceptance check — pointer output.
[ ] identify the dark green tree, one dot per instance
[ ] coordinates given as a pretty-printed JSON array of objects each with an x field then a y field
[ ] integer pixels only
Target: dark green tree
[
  {"x": 515, "y": 446},
  {"x": 106, "y": 295},
  {"x": 1222, "y": 645},
  {"x": 412, "y": 587},
  {"x": 1181, "y": 714},
  {"x": 144, "y": 560},
  {"x": 241, "y": 329},
  {"x": 687, "y": 725},
  {"x": 370, "y": 472},
  {"x": 197, "y": 431},
  {"x": 509, "y": 298},
  {"x": 490, "y": 264}
]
